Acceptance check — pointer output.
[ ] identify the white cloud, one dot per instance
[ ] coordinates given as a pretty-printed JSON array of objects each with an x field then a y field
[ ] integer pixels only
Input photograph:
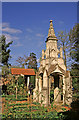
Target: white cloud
[
  {"x": 6, "y": 28},
  {"x": 10, "y": 38},
  {"x": 10, "y": 34},
  {"x": 5, "y": 24},
  {"x": 11, "y": 30}
]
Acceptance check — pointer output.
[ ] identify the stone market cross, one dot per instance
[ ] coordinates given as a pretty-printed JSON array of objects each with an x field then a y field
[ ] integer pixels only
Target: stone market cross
[{"x": 52, "y": 71}]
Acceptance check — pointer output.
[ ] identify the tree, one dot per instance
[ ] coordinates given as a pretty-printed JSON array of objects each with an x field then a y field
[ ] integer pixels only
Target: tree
[
  {"x": 63, "y": 41},
  {"x": 4, "y": 51},
  {"x": 29, "y": 62},
  {"x": 20, "y": 60},
  {"x": 32, "y": 62},
  {"x": 74, "y": 38},
  {"x": 5, "y": 71}
]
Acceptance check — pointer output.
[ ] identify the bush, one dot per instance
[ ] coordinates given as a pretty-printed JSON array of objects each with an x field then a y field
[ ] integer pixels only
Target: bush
[{"x": 51, "y": 95}]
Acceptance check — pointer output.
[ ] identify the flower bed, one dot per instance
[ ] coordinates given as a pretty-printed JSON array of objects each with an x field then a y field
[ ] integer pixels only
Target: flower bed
[{"x": 23, "y": 109}]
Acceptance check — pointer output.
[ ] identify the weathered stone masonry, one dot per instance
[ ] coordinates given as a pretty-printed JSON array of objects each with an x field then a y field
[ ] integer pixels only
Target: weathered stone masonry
[{"x": 52, "y": 70}]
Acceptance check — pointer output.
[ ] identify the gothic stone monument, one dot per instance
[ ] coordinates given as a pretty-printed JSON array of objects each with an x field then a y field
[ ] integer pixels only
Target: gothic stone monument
[{"x": 52, "y": 71}]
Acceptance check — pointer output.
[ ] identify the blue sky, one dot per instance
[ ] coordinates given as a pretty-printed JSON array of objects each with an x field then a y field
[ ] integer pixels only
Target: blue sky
[{"x": 27, "y": 24}]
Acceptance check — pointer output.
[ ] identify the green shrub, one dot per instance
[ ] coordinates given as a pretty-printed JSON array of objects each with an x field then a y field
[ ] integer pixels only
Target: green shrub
[
  {"x": 36, "y": 103},
  {"x": 51, "y": 95},
  {"x": 21, "y": 110}
]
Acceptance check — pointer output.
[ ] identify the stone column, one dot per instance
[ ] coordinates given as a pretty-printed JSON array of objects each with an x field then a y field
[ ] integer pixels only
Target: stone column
[
  {"x": 28, "y": 79},
  {"x": 61, "y": 85},
  {"x": 49, "y": 86},
  {"x": 68, "y": 90},
  {"x": 46, "y": 93},
  {"x": 45, "y": 79},
  {"x": 35, "y": 91},
  {"x": 36, "y": 82},
  {"x": 40, "y": 83},
  {"x": 43, "y": 54},
  {"x": 64, "y": 89},
  {"x": 40, "y": 88}
]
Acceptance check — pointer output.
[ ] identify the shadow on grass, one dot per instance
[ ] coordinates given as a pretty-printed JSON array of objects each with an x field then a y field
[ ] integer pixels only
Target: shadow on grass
[{"x": 73, "y": 113}]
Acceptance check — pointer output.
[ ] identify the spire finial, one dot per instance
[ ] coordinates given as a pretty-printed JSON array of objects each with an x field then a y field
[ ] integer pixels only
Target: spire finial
[
  {"x": 50, "y": 21},
  {"x": 51, "y": 30}
]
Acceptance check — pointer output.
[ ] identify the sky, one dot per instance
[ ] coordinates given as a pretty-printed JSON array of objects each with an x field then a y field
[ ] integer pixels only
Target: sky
[{"x": 27, "y": 24}]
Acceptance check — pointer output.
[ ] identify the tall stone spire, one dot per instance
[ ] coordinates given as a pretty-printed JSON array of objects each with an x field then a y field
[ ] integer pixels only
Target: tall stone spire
[{"x": 51, "y": 33}]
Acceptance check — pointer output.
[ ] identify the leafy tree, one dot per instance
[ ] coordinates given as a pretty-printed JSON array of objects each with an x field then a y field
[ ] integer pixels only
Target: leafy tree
[
  {"x": 15, "y": 66},
  {"x": 20, "y": 60},
  {"x": 21, "y": 80},
  {"x": 4, "y": 51},
  {"x": 32, "y": 62},
  {"x": 74, "y": 38},
  {"x": 63, "y": 41},
  {"x": 14, "y": 82},
  {"x": 5, "y": 71},
  {"x": 32, "y": 81}
]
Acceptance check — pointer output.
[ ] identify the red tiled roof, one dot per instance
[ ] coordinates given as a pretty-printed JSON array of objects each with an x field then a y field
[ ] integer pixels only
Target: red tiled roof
[{"x": 18, "y": 71}]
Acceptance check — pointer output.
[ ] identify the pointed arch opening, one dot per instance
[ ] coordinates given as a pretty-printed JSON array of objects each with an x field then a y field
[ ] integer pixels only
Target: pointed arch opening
[{"x": 56, "y": 87}]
